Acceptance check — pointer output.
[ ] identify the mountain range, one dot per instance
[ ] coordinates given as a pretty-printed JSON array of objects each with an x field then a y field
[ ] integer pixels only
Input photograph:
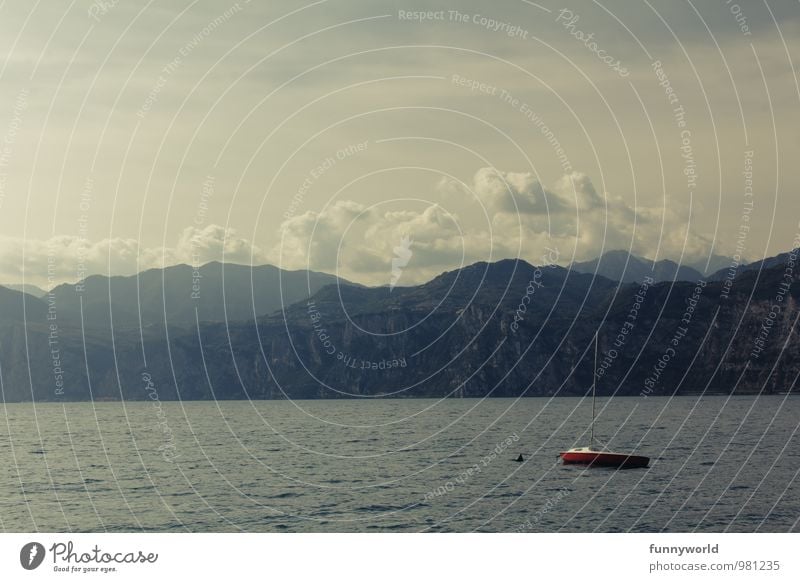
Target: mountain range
[
  {"x": 627, "y": 268},
  {"x": 489, "y": 329},
  {"x": 179, "y": 295},
  {"x": 26, "y": 288}
]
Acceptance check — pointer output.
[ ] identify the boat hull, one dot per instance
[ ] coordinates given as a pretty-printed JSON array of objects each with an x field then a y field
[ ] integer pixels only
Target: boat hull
[{"x": 604, "y": 459}]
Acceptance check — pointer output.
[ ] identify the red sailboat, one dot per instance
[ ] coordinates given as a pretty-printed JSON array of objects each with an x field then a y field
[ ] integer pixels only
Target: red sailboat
[{"x": 594, "y": 456}]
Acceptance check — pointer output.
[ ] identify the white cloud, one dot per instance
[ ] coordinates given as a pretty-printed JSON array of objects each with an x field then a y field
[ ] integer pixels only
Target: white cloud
[
  {"x": 68, "y": 258},
  {"x": 514, "y": 192},
  {"x": 580, "y": 221},
  {"x": 359, "y": 243},
  {"x": 499, "y": 215},
  {"x": 312, "y": 239},
  {"x": 211, "y": 243},
  {"x": 524, "y": 219}
]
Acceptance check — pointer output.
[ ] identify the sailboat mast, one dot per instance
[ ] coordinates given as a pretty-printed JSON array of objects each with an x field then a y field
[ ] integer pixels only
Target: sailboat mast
[{"x": 594, "y": 390}]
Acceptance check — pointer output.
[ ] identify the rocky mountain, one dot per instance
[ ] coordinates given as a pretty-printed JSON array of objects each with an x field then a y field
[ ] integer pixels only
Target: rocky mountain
[
  {"x": 499, "y": 329},
  {"x": 26, "y": 288},
  {"x": 711, "y": 264},
  {"x": 182, "y": 295},
  {"x": 18, "y": 307},
  {"x": 733, "y": 270},
  {"x": 628, "y": 268}
]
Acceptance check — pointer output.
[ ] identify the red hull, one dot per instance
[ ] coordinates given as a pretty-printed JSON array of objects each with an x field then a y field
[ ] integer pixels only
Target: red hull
[{"x": 604, "y": 459}]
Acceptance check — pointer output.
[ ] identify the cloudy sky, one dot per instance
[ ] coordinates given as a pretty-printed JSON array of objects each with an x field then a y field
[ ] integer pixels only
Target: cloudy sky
[{"x": 324, "y": 135}]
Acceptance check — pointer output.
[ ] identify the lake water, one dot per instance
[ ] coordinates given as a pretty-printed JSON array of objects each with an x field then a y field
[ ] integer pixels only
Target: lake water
[{"x": 718, "y": 464}]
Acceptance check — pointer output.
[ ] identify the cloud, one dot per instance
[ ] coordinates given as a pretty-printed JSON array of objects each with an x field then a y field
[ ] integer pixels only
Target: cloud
[
  {"x": 69, "y": 258},
  {"x": 522, "y": 218},
  {"x": 211, "y": 243},
  {"x": 578, "y": 219},
  {"x": 514, "y": 192},
  {"x": 312, "y": 239},
  {"x": 497, "y": 215},
  {"x": 359, "y": 243}
]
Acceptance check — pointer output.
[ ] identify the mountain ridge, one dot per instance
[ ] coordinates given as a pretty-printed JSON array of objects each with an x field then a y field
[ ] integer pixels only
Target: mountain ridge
[
  {"x": 620, "y": 265},
  {"x": 490, "y": 329},
  {"x": 182, "y": 294}
]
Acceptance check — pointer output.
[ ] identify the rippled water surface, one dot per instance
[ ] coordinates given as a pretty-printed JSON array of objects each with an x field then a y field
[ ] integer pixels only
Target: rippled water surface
[{"x": 718, "y": 463}]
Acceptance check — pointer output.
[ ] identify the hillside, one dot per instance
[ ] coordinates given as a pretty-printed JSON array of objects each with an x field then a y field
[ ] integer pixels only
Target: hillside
[{"x": 499, "y": 329}]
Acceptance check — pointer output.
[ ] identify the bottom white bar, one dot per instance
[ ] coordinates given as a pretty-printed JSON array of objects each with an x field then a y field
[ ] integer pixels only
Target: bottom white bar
[{"x": 377, "y": 557}]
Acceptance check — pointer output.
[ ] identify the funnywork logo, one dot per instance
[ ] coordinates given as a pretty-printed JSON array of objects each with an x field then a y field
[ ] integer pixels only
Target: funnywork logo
[{"x": 31, "y": 555}]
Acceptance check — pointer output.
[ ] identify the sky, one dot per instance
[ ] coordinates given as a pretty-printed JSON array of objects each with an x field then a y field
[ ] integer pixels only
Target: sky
[{"x": 388, "y": 142}]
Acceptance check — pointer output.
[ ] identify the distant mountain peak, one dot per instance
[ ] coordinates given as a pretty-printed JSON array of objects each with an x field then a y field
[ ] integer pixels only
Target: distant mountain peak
[
  {"x": 623, "y": 266},
  {"x": 26, "y": 288}
]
